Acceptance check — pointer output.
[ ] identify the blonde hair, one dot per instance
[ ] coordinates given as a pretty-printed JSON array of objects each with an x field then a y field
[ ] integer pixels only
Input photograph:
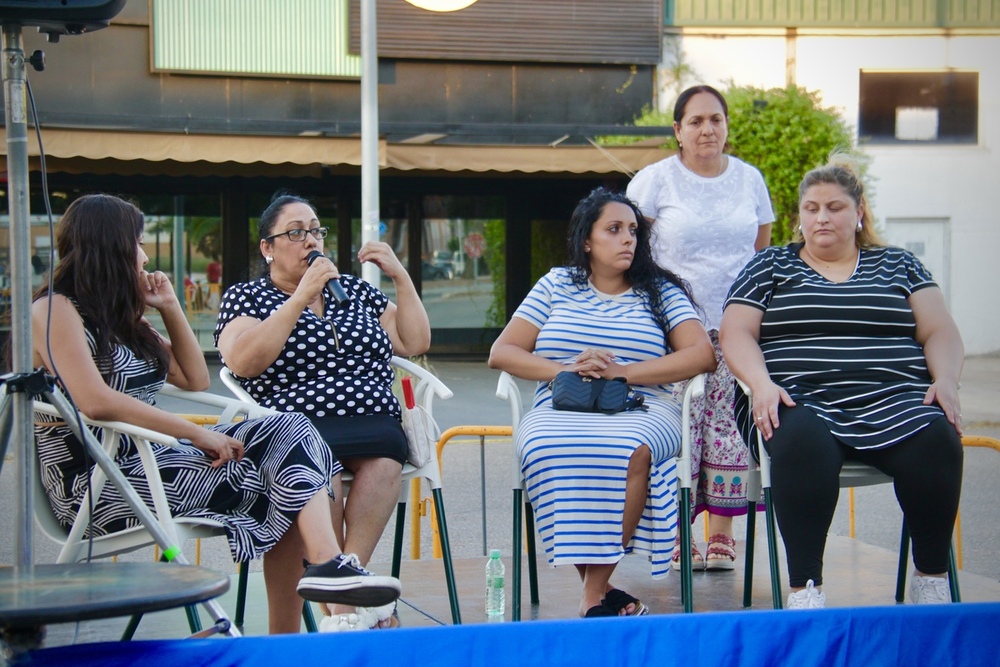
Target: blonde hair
[{"x": 841, "y": 170}]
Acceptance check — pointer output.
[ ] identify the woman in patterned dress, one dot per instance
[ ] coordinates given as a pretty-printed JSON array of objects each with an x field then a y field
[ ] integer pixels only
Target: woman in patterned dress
[
  {"x": 710, "y": 213},
  {"x": 267, "y": 481},
  {"x": 849, "y": 353},
  {"x": 604, "y": 485},
  {"x": 293, "y": 348}
]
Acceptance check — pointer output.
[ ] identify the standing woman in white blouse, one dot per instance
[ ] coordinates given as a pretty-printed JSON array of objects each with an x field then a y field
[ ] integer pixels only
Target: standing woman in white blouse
[{"x": 711, "y": 212}]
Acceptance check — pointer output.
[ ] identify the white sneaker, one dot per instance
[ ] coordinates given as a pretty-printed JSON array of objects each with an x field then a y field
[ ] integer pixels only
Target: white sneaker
[
  {"x": 807, "y": 598},
  {"x": 929, "y": 590}
]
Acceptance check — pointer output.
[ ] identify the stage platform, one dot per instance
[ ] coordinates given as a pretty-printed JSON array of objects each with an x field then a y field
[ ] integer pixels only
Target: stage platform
[{"x": 862, "y": 621}]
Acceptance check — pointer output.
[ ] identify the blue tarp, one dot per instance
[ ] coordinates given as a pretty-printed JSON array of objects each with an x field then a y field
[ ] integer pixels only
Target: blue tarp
[{"x": 953, "y": 634}]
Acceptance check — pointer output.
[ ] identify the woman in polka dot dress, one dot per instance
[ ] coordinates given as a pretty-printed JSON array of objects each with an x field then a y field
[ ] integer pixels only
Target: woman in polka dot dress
[{"x": 294, "y": 349}]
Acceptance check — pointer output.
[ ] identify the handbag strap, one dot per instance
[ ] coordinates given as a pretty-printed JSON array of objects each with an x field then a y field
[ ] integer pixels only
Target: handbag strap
[{"x": 636, "y": 401}]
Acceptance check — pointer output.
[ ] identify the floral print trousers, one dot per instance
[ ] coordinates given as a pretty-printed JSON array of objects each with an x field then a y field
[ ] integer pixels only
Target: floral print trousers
[{"x": 718, "y": 454}]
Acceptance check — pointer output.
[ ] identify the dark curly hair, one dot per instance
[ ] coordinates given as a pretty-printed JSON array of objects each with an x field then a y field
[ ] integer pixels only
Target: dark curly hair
[
  {"x": 644, "y": 275},
  {"x": 97, "y": 240}
]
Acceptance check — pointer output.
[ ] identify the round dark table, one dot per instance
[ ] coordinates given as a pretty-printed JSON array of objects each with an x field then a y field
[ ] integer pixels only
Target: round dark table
[{"x": 82, "y": 591}]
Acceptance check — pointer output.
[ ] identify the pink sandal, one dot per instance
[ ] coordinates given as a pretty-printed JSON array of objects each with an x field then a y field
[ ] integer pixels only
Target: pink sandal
[
  {"x": 721, "y": 553},
  {"x": 697, "y": 562}
]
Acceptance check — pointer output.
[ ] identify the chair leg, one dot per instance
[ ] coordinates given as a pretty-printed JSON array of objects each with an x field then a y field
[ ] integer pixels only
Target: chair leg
[
  {"x": 687, "y": 579},
  {"x": 515, "y": 588},
  {"x": 308, "y": 617},
  {"x": 241, "y": 595},
  {"x": 772, "y": 549},
  {"x": 194, "y": 620},
  {"x": 748, "y": 558},
  {"x": 529, "y": 528},
  {"x": 904, "y": 556},
  {"x": 397, "y": 544},
  {"x": 956, "y": 595},
  {"x": 449, "y": 569},
  {"x": 133, "y": 625}
]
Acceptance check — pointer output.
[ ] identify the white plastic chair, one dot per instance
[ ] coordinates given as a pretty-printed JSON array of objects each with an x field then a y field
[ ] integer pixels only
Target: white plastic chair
[
  {"x": 507, "y": 390},
  {"x": 852, "y": 474},
  {"x": 76, "y": 547},
  {"x": 427, "y": 387}
]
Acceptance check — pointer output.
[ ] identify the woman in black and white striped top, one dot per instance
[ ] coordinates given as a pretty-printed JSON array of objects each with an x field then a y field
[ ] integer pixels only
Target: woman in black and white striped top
[{"x": 849, "y": 353}]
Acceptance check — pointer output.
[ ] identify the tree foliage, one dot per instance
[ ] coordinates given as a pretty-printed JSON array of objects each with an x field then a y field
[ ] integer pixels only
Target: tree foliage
[{"x": 785, "y": 133}]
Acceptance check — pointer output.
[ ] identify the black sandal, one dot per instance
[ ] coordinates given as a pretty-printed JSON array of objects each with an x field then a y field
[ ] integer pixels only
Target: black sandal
[
  {"x": 599, "y": 610},
  {"x": 620, "y": 600}
]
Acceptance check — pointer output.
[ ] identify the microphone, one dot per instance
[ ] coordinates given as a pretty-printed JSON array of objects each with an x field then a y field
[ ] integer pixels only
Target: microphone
[{"x": 336, "y": 289}]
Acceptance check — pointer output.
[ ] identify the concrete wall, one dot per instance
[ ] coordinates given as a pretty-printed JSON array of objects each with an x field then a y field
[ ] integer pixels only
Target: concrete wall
[{"x": 953, "y": 188}]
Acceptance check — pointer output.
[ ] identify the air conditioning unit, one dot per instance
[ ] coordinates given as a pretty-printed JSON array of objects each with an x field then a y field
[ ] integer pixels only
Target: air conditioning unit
[{"x": 60, "y": 17}]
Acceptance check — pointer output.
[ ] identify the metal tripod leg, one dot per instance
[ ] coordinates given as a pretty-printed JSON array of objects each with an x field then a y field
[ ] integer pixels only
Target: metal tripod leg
[
  {"x": 6, "y": 424},
  {"x": 171, "y": 551}
]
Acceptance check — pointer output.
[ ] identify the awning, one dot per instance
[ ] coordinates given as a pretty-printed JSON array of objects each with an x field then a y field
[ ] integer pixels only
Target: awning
[
  {"x": 216, "y": 148},
  {"x": 526, "y": 159},
  {"x": 151, "y": 153}
]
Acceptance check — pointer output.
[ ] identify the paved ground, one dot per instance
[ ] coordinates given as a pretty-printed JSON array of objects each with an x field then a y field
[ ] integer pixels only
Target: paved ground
[{"x": 877, "y": 523}]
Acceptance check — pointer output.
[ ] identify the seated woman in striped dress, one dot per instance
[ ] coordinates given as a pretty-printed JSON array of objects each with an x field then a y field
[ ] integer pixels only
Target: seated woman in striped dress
[
  {"x": 604, "y": 485},
  {"x": 849, "y": 353}
]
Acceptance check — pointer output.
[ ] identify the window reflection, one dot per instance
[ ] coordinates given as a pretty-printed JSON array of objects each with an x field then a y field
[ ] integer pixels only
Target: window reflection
[{"x": 461, "y": 252}]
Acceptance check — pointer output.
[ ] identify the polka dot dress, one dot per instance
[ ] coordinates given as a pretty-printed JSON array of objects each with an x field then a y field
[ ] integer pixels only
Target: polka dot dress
[{"x": 331, "y": 367}]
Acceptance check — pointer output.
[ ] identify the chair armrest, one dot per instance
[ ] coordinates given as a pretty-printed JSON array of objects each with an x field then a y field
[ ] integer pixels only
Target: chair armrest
[
  {"x": 433, "y": 384},
  {"x": 507, "y": 390},
  {"x": 693, "y": 388},
  {"x": 234, "y": 386},
  {"x": 232, "y": 409},
  {"x": 122, "y": 427},
  {"x": 142, "y": 437},
  {"x": 763, "y": 460}
]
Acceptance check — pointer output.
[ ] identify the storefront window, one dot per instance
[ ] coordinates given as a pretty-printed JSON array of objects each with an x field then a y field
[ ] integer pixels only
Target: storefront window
[
  {"x": 459, "y": 246},
  {"x": 185, "y": 232},
  {"x": 461, "y": 249}
]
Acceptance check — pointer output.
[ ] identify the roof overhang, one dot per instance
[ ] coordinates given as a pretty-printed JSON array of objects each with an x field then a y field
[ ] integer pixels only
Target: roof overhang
[{"x": 160, "y": 153}]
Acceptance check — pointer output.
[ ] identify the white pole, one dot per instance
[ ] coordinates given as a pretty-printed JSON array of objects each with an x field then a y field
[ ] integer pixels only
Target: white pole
[{"x": 369, "y": 136}]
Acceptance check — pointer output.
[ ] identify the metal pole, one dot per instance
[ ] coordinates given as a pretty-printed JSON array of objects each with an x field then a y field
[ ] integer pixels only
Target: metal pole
[
  {"x": 177, "y": 249},
  {"x": 482, "y": 481},
  {"x": 369, "y": 136},
  {"x": 20, "y": 293}
]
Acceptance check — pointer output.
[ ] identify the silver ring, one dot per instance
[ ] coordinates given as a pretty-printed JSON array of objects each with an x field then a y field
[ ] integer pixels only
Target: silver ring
[{"x": 760, "y": 419}]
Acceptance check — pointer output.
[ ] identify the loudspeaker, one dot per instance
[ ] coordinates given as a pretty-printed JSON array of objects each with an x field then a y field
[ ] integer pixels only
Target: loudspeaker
[{"x": 57, "y": 17}]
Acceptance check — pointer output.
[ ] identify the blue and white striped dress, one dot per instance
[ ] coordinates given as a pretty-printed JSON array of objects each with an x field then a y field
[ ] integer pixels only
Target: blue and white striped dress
[
  {"x": 844, "y": 350},
  {"x": 575, "y": 463}
]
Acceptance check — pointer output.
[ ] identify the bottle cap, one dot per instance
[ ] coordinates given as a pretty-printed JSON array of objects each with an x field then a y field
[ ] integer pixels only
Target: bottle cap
[{"x": 494, "y": 553}]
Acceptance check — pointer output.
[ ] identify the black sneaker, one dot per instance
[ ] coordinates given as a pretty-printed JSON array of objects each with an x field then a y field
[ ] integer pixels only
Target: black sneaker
[{"x": 343, "y": 581}]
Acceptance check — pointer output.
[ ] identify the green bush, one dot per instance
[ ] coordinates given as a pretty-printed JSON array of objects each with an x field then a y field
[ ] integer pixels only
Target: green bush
[{"x": 785, "y": 133}]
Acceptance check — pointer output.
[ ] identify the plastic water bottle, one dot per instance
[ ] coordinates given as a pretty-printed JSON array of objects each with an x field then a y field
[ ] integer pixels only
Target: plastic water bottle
[{"x": 495, "y": 599}]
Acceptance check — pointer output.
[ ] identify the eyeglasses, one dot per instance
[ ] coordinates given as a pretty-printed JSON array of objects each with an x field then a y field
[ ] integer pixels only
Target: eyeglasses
[{"x": 299, "y": 235}]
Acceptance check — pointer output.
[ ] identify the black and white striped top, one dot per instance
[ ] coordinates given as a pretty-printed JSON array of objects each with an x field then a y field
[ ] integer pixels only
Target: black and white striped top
[{"x": 845, "y": 350}]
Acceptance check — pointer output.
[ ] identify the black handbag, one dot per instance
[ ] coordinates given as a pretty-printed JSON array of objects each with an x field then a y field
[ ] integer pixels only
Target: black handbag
[{"x": 579, "y": 393}]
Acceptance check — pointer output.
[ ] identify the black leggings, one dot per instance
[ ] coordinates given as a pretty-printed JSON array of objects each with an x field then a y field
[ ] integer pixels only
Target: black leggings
[{"x": 926, "y": 469}]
